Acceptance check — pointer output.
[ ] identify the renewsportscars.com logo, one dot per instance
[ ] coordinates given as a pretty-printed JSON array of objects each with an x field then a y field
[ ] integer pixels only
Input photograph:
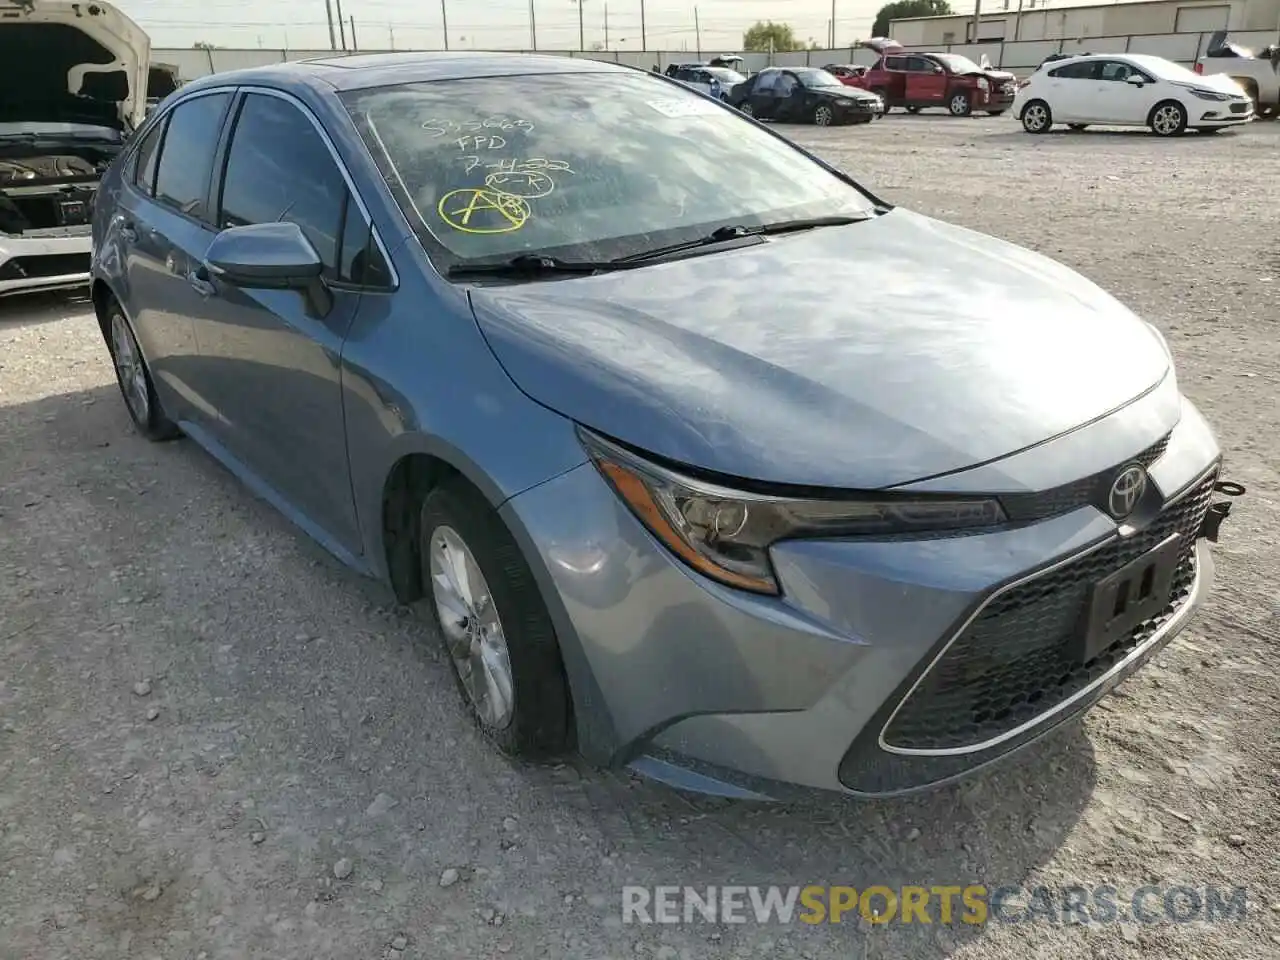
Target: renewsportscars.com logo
[{"x": 972, "y": 904}]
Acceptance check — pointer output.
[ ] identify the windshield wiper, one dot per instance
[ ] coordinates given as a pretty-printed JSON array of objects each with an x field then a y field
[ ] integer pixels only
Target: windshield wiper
[
  {"x": 533, "y": 265},
  {"x": 736, "y": 231}
]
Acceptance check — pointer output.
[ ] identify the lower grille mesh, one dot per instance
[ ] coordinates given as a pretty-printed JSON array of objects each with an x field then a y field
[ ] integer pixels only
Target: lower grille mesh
[{"x": 1016, "y": 659}]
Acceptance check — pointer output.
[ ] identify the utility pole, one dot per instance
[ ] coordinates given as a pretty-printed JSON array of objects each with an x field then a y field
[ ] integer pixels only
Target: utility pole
[
  {"x": 697, "y": 31},
  {"x": 391, "y": 34},
  {"x": 533, "y": 27},
  {"x": 342, "y": 34},
  {"x": 328, "y": 9},
  {"x": 977, "y": 19},
  {"x": 582, "y": 32},
  {"x": 444, "y": 20},
  {"x": 643, "y": 44},
  {"x": 1017, "y": 21},
  {"x": 353, "y": 34},
  {"x": 833, "y": 25},
  {"x": 606, "y": 26}
]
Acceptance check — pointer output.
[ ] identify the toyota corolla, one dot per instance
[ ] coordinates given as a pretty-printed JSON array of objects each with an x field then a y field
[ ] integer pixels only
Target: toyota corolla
[{"x": 684, "y": 487}]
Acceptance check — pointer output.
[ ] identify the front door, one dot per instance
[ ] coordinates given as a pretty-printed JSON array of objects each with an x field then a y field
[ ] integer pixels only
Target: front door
[
  {"x": 165, "y": 225},
  {"x": 272, "y": 363},
  {"x": 926, "y": 84},
  {"x": 1122, "y": 101},
  {"x": 791, "y": 98}
]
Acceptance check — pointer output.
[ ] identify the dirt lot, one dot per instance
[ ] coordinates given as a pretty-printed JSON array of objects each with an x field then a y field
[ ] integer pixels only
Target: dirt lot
[{"x": 201, "y": 713}]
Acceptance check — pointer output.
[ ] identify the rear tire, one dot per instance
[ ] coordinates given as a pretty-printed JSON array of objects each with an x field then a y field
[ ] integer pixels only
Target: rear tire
[
  {"x": 747, "y": 109},
  {"x": 1037, "y": 117},
  {"x": 492, "y": 621},
  {"x": 134, "y": 379},
  {"x": 1168, "y": 119}
]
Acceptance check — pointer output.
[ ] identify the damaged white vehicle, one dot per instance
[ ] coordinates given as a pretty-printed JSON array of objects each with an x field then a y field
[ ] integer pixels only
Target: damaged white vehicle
[{"x": 82, "y": 91}]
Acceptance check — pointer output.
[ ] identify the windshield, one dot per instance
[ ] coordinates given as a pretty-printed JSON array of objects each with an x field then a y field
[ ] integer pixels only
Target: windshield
[
  {"x": 725, "y": 75},
  {"x": 586, "y": 166},
  {"x": 1168, "y": 70},
  {"x": 956, "y": 63},
  {"x": 815, "y": 78}
]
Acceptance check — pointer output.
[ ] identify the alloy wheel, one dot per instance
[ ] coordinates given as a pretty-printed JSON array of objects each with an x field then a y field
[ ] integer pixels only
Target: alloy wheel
[
  {"x": 1167, "y": 120},
  {"x": 959, "y": 105},
  {"x": 1035, "y": 117},
  {"x": 822, "y": 116},
  {"x": 473, "y": 630},
  {"x": 130, "y": 369},
  {"x": 746, "y": 108}
]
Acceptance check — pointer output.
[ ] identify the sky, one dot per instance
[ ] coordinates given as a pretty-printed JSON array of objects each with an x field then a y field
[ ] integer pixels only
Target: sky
[{"x": 381, "y": 24}]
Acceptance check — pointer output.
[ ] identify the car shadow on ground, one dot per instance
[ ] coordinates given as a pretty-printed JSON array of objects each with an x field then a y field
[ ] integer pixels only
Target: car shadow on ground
[
  {"x": 29, "y": 309},
  {"x": 605, "y": 829},
  {"x": 1060, "y": 135}
]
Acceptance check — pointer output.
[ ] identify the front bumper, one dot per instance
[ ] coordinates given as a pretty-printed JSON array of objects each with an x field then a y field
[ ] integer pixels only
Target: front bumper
[
  {"x": 869, "y": 676},
  {"x": 1226, "y": 114},
  {"x": 859, "y": 110},
  {"x": 44, "y": 263}
]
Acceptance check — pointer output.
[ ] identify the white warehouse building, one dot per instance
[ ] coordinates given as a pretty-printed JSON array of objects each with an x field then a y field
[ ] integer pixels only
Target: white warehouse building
[{"x": 1037, "y": 21}]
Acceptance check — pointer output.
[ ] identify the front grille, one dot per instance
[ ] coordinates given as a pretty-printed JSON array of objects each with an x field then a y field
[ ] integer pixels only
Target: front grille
[
  {"x": 1087, "y": 491},
  {"x": 42, "y": 267},
  {"x": 1017, "y": 659}
]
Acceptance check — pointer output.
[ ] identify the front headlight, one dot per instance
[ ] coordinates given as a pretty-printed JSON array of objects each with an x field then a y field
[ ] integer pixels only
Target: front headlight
[
  {"x": 983, "y": 84},
  {"x": 1211, "y": 95},
  {"x": 726, "y": 534}
]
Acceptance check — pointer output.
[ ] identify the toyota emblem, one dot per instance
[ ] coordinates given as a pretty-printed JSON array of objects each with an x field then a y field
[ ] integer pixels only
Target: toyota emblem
[{"x": 1126, "y": 490}]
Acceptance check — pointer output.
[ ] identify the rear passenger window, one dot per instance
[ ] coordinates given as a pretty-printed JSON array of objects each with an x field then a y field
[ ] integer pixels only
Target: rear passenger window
[
  {"x": 144, "y": 171},
  {"x": 766, "y": 81},
  {"x": 186, "y": 156},
  {"x": 1076, "y": 71},
  {"x": 895, "y": 63}
]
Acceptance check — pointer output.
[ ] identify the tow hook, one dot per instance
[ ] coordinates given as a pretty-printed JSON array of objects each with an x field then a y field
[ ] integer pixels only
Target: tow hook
[{"x": 1219, "y": 511}]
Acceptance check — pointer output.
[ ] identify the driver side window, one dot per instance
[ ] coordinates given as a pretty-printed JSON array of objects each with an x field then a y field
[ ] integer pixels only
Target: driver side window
[{"x": 766, "y": 81}]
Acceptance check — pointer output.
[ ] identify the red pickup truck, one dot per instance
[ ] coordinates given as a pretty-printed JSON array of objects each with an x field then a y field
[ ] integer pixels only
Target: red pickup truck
[{"x": 915, "y": 80}]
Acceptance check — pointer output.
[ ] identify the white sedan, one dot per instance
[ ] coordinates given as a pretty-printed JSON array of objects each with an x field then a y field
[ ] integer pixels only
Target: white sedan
[{"x": 1129, "y": 90}]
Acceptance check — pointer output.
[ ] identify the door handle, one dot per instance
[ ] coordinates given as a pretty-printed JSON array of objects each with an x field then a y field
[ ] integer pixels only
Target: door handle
[{"x": 200, "y": 282}]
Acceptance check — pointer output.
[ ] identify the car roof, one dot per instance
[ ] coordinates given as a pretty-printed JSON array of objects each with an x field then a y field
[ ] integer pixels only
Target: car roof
[{"x": 358, "y": 71}]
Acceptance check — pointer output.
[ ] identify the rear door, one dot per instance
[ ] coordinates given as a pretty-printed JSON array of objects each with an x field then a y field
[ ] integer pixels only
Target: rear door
[
  {"x": 274, "y": 366},
  {"x": 764, "y": 93},
  {"x": 1071, "y": 92},
  {"x": 165, "y": 222},
  {"x": 926, "y": 84}
]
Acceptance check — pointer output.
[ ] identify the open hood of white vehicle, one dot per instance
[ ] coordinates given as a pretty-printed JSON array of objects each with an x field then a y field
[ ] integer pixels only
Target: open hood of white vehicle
[{"x": 72, "y": 61}]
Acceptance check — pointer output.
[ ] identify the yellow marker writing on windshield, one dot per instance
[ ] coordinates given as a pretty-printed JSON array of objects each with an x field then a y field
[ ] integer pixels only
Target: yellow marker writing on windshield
[{"x": 483, "y": 210}]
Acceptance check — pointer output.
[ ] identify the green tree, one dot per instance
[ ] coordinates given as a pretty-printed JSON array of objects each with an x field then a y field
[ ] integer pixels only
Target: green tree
[
  {"x": 901, "y": 9},
  {"x": 782, "y": 35}
]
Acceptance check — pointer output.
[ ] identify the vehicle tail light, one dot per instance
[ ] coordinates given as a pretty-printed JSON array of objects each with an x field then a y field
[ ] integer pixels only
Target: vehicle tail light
[{"x": 1200, "y": 68}]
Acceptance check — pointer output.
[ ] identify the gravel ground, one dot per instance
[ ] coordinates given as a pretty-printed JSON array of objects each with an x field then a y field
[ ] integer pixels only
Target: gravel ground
[{"x": 217, "y": 743}]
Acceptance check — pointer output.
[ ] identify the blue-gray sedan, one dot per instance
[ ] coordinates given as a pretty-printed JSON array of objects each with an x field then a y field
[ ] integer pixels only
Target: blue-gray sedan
[{"x": 744, "y": 481}]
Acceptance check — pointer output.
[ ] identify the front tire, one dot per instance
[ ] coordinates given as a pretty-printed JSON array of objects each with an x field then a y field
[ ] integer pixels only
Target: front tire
[
  {"x": 1037, "y": 117},
  {"x": 823, "y": 115},
  {"x": 960, "y": 104},
  {"x": 1168, "y": 119},
  {"x": 134, "y": 379},
  {"x": 498, "y": 635}
]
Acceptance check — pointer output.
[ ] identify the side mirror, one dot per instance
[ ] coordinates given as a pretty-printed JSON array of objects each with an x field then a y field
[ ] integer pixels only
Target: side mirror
[
  {"x": 1136, "y": 79},
  {"x": 270, "y": 256}
]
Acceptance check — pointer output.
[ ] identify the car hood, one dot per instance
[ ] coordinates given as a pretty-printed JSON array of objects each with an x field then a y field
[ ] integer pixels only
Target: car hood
[
  {"x": 1219, "y": 82},
  {"x": 86, "y": 61},
  {"x": 863, "y": 356},
  {"x": 847, "y": 93}
]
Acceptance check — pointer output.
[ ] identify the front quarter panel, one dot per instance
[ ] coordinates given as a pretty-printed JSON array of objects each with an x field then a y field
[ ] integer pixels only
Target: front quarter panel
[{"x": 418, "y": 378}]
